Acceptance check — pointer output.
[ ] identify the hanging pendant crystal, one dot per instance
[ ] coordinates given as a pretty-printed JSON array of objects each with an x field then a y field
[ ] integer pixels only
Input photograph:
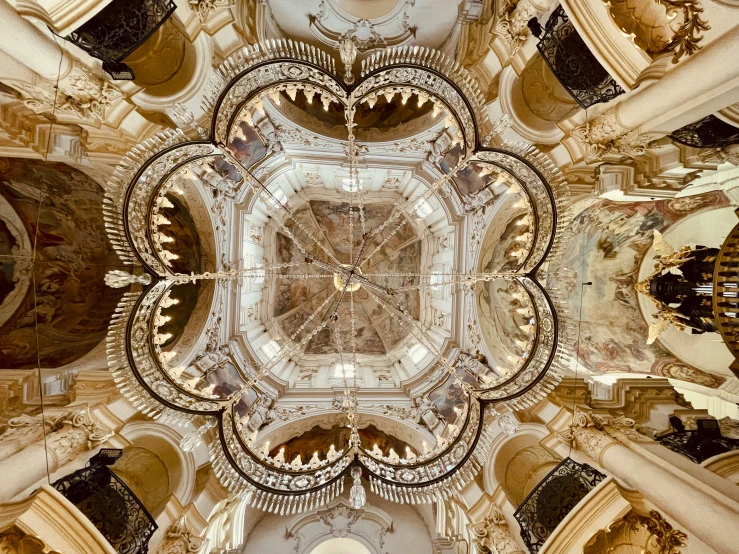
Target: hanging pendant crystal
[
  {"x": 191, "y": 441},
  {"x": 357, "y": 495}
]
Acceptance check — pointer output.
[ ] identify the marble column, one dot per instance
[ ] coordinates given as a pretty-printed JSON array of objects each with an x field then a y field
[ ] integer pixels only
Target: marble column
[
  {"x": 697, "y": 87},
  {"x": 78, "y": 434},
  {"x": 492, "y": 535},
  {"x": 699, "y": 510},
  {"x": 30, "y": 46}
]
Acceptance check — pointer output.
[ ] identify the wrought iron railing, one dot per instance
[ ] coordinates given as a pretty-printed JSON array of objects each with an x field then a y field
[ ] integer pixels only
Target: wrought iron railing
[
  {"x": 709, "y": 132},
  {"x": 698, "y": 446},
  {"x": 554, "y": 498},
  {"x": 573, "y": 63},
  {"x": 110, "y": 505},
  {"x": 120, "y": 28}
]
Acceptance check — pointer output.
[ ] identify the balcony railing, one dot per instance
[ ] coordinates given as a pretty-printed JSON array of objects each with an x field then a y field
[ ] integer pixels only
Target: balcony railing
[
  {"x": 119, "y": 29},
  {"x": 573, "y": 63},
  {"x": 554, "y": 498},
  {"x": 109, "y": 504},
  {"x": 709, "y": 132}
]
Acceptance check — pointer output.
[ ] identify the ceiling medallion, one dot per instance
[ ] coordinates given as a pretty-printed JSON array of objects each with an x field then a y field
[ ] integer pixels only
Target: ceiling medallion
[{"x": 165, "y": 384}]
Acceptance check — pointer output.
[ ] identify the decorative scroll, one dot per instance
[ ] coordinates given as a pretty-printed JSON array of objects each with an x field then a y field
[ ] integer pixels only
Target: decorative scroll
[
  {"x": 697, "y": 446},
  {"x": 709, "y": 132},
  {"x": 554, "y": 498},
  {"x": 111, "y": 507},
  {"x": 573, "y": 64}
]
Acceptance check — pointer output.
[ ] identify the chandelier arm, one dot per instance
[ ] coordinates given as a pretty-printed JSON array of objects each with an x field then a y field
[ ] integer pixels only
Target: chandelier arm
[
  {"x": 354, "y": 183},
  {"x": 273, "y": 202},
  {"x": 421, "y": 337},
  {"x": 351, "y": 408},
  {"x": 403, "y": 207},
  {"x": 313, "y": 315}
]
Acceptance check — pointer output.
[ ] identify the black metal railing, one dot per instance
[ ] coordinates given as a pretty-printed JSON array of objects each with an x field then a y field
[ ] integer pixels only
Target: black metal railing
[
  {"x": 696, "y": 446},
  {"x": 709, "y": 132},
  {"x": 573, "y": 63},
  {"x": 550, "y": 502},
  {"x": 109, "y": 504},
  {"x": 119, "y": 29}
]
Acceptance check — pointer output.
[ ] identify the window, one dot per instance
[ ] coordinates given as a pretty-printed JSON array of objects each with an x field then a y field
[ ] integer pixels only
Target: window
[
  {"x": 417, "y": 352},
  {"x": 278, "y": 197},
  {"x": 271, "y": 349},
  {"x": 435, "y": 280},
  {"x": 423, "y": 208},
  {"x": 351, "y": 185},
  {"x": 259, "y": 274},
  {"x": 347, "y": 370}
]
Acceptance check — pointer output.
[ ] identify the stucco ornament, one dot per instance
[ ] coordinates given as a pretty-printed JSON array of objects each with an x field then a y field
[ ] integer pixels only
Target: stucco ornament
[
  {"x": 232, "y": 383},
  {"x": 180, "y": 539},
  {"x": 593, "y": 433},
  {"x": 635, "y": 532},
  {"x": 492, "y": 536}
]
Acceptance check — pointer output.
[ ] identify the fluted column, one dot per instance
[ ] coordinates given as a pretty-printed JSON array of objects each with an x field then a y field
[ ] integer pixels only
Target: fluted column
[
  {"x": 30, "y": 46},
  {"x": 698, "y": 510},
  {"x": 78, "y": 434},
  {"x": 704, "y": 83},
  {"x": 492, "y": 535}
]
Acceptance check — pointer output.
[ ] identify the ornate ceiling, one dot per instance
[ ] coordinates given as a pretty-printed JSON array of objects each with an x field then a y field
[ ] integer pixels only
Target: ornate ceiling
[{"x": 383, "y": 290}]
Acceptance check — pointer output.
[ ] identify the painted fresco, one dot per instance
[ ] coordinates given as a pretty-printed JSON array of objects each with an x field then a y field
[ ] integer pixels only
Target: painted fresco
[
  {"x": 367, "y": 339},
  {"x": 61, "y": 209},
  {"x": 248, "y": 149},
  {"x": 497, "y": 255},
  {"x": 610, "y": 240},
  {"x": 296, "y": 299},
  {"x": 499, "y": 302}
]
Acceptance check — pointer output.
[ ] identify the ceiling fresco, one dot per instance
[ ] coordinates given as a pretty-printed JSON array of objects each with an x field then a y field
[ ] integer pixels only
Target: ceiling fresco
[
  {"x": 66, "y": 303},
  {"x": 296, "y": 299}
]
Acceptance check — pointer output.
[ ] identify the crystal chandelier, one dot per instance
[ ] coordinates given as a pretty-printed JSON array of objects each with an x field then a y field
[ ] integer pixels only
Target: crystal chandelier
[{"x": 142, "y": 369}]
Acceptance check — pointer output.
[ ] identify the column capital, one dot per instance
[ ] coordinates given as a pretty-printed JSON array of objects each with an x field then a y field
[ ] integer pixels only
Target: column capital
[
  {"x": 593, "y": 434},
  {"x": 492, "y": 535}
]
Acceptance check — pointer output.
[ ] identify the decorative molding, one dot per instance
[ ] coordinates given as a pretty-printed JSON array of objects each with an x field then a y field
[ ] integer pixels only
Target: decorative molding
[
  {"x": 368, "y": 526},
  {"x": 648, "y": 534},
  {"x": 492, "y": 535},
  {"x": 179, "y": 539}
]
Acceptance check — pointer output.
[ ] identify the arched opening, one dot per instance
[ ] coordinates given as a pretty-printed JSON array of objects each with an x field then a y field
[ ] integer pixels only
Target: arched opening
[{"x": 341, "y": 546}]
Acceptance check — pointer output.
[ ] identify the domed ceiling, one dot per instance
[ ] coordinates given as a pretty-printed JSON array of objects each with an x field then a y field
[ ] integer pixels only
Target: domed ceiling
[
  {"x": 295, "y": 299},
  {"x": 376, "y": 288}
]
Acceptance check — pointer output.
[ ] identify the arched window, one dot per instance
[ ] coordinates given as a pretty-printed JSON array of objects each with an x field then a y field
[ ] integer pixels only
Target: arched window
[
  {"x": 417, "y": 352},
  {"x": 340, "y": 546}
]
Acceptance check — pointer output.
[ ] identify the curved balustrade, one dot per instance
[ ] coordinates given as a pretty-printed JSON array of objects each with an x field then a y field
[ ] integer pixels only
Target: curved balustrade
[
  {"x": 573, "y": 63},
  {"x": 552, "y": 499},
  {"x": 709, "y": 132},
  {"x": 698, "y": 446},
  {"x": 111, "y": 507},
  {"x": 119, "y": 29}
]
